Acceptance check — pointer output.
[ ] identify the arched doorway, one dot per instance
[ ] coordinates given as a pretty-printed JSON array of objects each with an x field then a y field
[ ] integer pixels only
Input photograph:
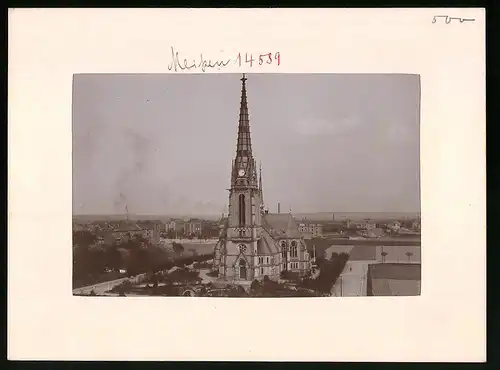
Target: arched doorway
[{"x": 243, "y": 270}]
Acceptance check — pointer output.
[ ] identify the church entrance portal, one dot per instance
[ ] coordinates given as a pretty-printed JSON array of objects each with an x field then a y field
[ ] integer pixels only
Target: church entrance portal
[{"x": 243, "y": 270}]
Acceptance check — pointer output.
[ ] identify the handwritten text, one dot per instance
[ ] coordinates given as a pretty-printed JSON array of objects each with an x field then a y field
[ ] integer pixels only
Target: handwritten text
[
  {"x": 180, "y": 64},
  {"x": 448, "y": 19}
]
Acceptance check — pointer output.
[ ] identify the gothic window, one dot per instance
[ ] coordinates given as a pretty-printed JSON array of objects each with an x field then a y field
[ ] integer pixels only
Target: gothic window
[
  {"x": 242, "y": 248},
  {"x": 243, "y": 269},
  {"x": 293, "y": 250},
  {"x": 241, "y": 208},
  {"x": 283, "y": 249},
  {"x": 262, "y": 271}
]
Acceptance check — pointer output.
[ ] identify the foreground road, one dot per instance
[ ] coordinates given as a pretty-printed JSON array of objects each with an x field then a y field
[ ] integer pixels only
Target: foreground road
[
  {"x": 103, "y": 287},
  {"x": 100, "y": 288}
]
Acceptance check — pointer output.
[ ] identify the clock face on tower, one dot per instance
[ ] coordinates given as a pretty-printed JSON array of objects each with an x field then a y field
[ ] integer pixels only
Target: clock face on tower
[{"x": 241, "y": 173}]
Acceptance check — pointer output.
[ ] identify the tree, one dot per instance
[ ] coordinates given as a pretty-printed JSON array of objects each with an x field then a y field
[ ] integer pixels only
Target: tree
[
  {"x": 171, "y": 234},
  {"x": 255, "y": 286},
  {"x": 178, "y": 249},
  {"x": 84, "y": 238},
  {"x": 383, "y": 254},
  {"x": 409, "y": 254}
]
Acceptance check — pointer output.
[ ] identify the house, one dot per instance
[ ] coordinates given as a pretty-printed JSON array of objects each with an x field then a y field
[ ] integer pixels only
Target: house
[
  {"x": 416, "y": 225},
  {"x": 374, "y": 232},
  {"x": 394, "y": 225},
  {"x": 193, "y": 227},
  {"x": 311, "y": 228},
  {"x": 176, "y": 226},
  {"x": 127, "y": 232}
]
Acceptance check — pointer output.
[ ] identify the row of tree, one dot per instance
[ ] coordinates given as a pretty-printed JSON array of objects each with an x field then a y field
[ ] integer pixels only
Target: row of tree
[{"x": 99, "y": 262}]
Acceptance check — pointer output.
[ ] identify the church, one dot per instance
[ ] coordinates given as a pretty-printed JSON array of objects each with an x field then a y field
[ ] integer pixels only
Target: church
[{"x": 254, "y": 243}]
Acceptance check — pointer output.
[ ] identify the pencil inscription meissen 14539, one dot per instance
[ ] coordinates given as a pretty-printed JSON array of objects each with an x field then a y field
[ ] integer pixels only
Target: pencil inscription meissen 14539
[{"x": 180, "y": 64}]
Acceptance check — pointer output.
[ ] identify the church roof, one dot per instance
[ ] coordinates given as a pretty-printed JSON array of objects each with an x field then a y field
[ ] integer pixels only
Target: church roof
[
  {"x": 281, "y": 225},
  {"x": 264, "y": 245}
]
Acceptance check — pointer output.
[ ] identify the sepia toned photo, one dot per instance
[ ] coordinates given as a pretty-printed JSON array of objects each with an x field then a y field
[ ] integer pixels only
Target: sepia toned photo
[{"x": 257, "y": 185}]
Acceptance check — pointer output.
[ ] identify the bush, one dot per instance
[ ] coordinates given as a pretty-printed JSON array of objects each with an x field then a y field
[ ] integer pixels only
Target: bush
[
  {"x": 236, "y": 291},
  {"x": 123, "y": 287},
  {"x": 255, "y": 286}
]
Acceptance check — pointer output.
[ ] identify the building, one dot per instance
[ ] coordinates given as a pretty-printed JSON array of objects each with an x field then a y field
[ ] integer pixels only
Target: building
[
  {"x": 254, "y": 243},
  {"x": 394, "y": 226},
  {"x": 354, "y": 279},
  {"x": 176, "y": 227},
  {"x": 415, "y": 225},
  {"x": 193, "y": 227},
  {"x": 394, "y": 279},
  {"x": 127, "y": 232},
  {"x": 311, "y": 229}
]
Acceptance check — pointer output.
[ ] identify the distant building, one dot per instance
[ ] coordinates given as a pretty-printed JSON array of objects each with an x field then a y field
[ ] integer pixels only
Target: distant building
[
  {"x": 176, "y": 226},
  {"x": 127, "y": 232},
  {"x": 394, "y": 225},
  {"x": 193, "y": 227},
  {"x": 314, "y": 229},
  {"x": 415, "y": 225}
]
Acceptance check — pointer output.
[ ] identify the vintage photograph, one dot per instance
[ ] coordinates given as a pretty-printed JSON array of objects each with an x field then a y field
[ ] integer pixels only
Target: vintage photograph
[{"x": 246, "y": 185}]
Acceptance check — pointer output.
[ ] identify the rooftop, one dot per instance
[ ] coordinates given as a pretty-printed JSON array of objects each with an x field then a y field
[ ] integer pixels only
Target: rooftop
[
  {"x": 396, "y": 271},
  {"x": 363, "y": 253},
  {"x": 281, "y": 224},
  {"x": 328, "y": 242}
]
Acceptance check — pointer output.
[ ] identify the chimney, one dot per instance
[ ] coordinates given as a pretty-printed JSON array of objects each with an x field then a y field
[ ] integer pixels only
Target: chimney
[{"x": 278, "y": 207}]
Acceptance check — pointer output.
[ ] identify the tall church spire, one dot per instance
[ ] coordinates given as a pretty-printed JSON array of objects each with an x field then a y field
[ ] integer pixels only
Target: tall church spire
[
  {"x": 244, "y": 168},
  {"x": 244, "y": 145},
  {"x": 260, "y": 184}
]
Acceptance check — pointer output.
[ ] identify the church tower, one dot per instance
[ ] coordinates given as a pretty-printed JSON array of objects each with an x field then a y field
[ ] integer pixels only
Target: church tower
[
  {"x": 245, "y": 200},
  {"x": 244, "y": 194},
  {"x": 254, "y": 243}
]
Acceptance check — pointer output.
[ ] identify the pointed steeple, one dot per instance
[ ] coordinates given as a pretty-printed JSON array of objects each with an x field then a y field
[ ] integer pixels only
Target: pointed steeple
[
  {"x": 260, "y": 184},
  {"x": 244, "y": 144},
  {"x": 244, "y": 168}
]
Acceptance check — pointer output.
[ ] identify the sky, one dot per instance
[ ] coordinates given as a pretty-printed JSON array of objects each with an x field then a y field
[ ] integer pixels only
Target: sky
[{"x": 163, "y": 143}]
